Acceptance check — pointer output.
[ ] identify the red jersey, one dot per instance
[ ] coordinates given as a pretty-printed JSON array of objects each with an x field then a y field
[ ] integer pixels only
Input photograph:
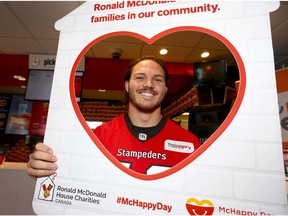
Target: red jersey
[{"x": 168, "y": 147}]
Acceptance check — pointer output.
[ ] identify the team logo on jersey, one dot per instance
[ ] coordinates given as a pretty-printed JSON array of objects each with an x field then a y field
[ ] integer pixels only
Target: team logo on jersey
[
  {"x": 142, "y": 136},
  {"x": 178, "y": 146}
]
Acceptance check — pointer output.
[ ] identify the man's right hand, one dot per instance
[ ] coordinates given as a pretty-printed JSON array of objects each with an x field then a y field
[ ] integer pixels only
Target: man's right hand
[{"x": 42, "y": 162}]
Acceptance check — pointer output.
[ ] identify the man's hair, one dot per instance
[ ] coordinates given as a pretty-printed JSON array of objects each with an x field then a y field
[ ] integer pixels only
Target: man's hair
[{"x": 128, "y": 73}]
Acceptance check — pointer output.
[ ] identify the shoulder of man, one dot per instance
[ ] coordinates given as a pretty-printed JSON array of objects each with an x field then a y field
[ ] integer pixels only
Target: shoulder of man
[
  {"x": 110, "y": 125},
  {"x": 182, "y": 133}
]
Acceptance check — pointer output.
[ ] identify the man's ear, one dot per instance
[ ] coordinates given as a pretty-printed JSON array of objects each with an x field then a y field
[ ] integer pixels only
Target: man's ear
[{"x": 126, "y": 86}]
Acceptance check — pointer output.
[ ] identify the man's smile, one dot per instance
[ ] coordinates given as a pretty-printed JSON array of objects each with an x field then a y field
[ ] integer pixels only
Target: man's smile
[{"x": 147, "y": 94}]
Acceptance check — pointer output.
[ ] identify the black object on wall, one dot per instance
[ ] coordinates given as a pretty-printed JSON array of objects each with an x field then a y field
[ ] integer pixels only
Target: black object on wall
[{"x": 204, "y": 120}]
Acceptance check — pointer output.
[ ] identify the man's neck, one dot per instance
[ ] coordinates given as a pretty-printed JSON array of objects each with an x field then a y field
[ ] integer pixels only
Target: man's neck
[{"x": 142, "y": 119}]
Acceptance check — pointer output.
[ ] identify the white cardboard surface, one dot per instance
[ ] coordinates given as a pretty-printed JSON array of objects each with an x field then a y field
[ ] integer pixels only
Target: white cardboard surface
[{"x": 238, "y": 171}]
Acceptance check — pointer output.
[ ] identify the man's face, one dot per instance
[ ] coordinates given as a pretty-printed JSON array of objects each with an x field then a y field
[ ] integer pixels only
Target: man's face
[{"x": 146, "y": 87}]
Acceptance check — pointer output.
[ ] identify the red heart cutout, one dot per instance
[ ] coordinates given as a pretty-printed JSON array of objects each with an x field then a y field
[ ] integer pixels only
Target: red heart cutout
[{"x": 205, "y": 145}]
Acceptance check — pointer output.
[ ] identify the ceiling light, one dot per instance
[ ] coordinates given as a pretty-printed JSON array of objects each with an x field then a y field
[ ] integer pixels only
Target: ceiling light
[
  {"x": 205, "y": 54},
  {"x": 101, "y": 90},
  {"x": 20, "y": 78},
  {"x": 163, "y": 51}
]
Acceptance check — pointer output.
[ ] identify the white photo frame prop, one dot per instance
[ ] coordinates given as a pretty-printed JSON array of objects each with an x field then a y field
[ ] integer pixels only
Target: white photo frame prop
[{"x": 238, "y": 170}]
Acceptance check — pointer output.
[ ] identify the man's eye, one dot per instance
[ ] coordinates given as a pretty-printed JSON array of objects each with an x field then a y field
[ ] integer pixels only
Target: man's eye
[
  {"x": 139, "y": 78},
  {"x": 159, "y": 80}
]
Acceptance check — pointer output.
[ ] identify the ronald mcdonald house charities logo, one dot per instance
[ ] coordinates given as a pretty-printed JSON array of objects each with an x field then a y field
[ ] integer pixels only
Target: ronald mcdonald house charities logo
[{"x": 46, "y": 190}]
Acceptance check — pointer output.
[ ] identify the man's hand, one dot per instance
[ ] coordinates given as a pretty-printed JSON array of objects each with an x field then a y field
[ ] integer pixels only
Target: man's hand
[{"x": 42, "y": 161}]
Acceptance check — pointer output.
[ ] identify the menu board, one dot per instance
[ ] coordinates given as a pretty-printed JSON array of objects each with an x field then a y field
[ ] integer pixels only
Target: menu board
[
  {"x": 5, "y": 101},
  {"x": 38, "y": 118},
  {"x": 39, "y": 85},
  {"x": 19, "y": 116}
]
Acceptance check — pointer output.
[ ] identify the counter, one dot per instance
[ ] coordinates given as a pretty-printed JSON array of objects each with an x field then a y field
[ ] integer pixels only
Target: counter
[{"x": 16, "y": 189}]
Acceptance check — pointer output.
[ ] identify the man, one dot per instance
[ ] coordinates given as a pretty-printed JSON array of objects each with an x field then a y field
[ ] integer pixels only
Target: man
[{"x": 141, "y": 138}]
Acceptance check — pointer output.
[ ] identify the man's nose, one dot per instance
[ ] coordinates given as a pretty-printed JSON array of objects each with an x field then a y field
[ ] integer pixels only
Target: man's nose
[{"x": 149, "y": 83}]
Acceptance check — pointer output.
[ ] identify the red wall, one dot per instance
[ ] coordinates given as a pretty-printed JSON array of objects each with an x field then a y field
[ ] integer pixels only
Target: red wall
[
  {"x": 99, "y": 73},
  {"x": 13, "y": 65},
  {"x": 106, "y": 73}
]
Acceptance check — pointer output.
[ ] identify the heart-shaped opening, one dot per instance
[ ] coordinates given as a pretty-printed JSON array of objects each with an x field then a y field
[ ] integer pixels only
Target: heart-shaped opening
[{"x": 157, "y": 40}]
